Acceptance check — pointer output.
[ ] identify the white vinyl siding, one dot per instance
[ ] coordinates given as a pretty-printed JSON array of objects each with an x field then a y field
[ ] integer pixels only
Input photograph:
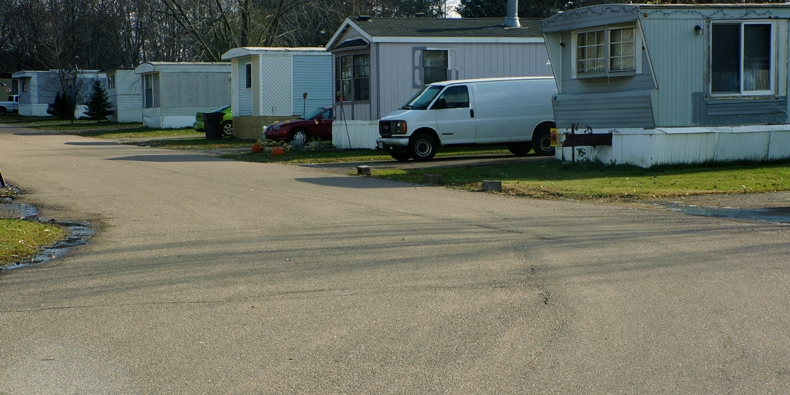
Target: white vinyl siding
[{"x": 276, "y": 76}]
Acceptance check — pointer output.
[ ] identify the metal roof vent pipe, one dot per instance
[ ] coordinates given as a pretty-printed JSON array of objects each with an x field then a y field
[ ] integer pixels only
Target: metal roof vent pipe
[{"x": 511, "y": 19}]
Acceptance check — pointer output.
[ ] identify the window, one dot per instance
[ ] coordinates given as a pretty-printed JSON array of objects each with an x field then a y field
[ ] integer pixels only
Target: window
[
  {"x": 148, "y": 86},
  {"x": 434, "y": 66},
  {"x": 453, "y": 97},
  {"x": 741, "y": 58},
  {"x": 24, "y": 85},
  {"x": 110, "y": 82},
  {"x": 248, "y": 75},
  {"x": 362, "y": 77},
  {"x": 606, "y": 52},
  {"x": 352, "y": 77}
]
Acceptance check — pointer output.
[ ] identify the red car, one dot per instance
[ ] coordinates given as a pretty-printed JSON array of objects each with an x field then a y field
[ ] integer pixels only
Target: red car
[{"x": 316, "y": 124}]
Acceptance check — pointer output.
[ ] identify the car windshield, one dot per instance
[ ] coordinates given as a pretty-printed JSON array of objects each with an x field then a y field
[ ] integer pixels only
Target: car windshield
[
  {"x": 423, "y": 98},
  {"x": 312, "y": 114}
]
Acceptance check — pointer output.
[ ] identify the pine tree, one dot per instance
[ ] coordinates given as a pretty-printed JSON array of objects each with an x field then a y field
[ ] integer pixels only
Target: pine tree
[{"x": 99, "y": 106}]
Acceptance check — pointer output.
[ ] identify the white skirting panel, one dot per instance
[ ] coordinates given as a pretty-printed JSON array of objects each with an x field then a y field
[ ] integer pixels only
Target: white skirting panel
[
  {"x": 355, "y": 134},
  {"x": 651, "y": 147}
]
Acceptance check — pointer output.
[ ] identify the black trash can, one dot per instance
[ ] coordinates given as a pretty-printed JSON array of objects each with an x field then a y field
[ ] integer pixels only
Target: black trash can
[{"x": 212, "y": 120}]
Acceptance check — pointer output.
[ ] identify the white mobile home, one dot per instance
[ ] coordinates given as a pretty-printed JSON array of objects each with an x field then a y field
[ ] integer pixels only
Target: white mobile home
[
  {"x": 173, "y": 92},
  {"x": 124, "y": 88},
  {"x": 273, "y": 81},
  {"x": 37, "y": 89},
  {"x": 661, "y": 84}
]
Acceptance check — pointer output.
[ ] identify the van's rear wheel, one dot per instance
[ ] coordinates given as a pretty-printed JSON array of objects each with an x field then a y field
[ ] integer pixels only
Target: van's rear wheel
[
  {"x": 541, "y": 142},
  {"x": 422, "y": 147},
  {"x": 400, "y": 156},
  {"x": 519, "y": 149}
]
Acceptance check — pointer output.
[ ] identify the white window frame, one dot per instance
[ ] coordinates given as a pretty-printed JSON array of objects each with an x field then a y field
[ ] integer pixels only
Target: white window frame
[
  {"x": 248, "y": 80},
  {"x": 608, "y": 73},
  {"x": 772, "y": 72}
]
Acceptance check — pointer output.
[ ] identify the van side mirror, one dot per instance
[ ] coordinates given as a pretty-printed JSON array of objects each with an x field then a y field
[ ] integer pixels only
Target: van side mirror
[{"x": 441, "y": 103}]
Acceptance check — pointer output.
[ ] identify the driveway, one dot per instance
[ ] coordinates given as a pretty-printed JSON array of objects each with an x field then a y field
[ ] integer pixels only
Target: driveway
[{"x": 215, "y": 276}]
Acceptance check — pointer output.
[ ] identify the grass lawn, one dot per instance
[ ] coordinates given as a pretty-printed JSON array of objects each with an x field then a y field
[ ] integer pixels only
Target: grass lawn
[
  {"x": 22, "y": 239},
  {"x": 548, "y": 178}
]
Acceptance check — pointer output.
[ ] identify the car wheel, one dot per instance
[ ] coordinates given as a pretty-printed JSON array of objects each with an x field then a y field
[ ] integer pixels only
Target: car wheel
[
  {"x": 541, "y": 142},
  {"x": 300, "y": 134},
  {"x": 2, "y": 111},
  {"x": 400, "y": 156},
  {"x": 422, "y": 147},
  {"x": 519, "y": 149},
  {"x": 227, "y": 128}
]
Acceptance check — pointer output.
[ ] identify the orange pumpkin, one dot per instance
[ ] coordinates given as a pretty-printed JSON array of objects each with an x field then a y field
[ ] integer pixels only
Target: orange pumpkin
[
  {"x": 257, "y": 148},
  {"x": 278, "y": 152}
]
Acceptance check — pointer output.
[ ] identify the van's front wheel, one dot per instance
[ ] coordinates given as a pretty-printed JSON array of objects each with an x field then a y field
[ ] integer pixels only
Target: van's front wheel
[
  {"x": 541, "y": 142},
  {"x": 519, "y": 149},
  {"x": 400, "y": 156},
  {"x": 422, "y": 147}
]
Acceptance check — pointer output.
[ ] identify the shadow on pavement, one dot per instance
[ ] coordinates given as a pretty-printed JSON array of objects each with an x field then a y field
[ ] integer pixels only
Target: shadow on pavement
[
  {"x": 354, "y": 182},
  {"x": 87, "y": 143},
  {"x": 170, "y": 158}
]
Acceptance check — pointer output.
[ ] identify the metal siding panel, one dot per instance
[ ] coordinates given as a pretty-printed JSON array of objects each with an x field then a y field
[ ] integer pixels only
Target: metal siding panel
[
  {"x": 745, "y": 107},
  {"x": 193, "y": 90},
  {"x": 276, "y": 85},
  {"x": 245, "y": 94},
  {"x": 678, "y": 63},
  {"x": 313, "y": 75},
  {"x": 626, "y": 109}
]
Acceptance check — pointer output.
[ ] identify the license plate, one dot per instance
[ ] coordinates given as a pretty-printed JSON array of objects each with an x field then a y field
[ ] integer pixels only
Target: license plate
[{"x": 381, "y": 144}]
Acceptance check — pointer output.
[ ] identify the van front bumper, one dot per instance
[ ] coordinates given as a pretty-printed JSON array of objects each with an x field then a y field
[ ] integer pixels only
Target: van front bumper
[{"x": 393, "y": 144}]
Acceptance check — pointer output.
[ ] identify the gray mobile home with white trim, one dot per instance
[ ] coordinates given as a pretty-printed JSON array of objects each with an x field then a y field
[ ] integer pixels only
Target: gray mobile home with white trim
[
  {"x": 400, "y": 55},
  {"x": 173, "y": 92},
  {"x": 664, "y": 84},
  {"x": 380, "y": 63}
]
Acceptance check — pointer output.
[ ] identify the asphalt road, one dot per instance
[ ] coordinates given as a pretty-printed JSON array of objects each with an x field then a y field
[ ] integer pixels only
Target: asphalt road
[{"x": 222, "y": 277}]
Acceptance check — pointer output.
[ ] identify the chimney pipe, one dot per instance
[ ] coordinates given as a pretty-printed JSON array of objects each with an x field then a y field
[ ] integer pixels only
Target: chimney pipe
[{"x": 511, "y": 20}]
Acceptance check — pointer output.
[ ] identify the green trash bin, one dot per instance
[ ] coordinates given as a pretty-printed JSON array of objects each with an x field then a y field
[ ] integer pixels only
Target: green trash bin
[{"x": 212, "y": 120}]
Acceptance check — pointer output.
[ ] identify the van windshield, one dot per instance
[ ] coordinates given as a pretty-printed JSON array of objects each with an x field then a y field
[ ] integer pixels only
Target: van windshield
[{"x": 423, "y": 98}]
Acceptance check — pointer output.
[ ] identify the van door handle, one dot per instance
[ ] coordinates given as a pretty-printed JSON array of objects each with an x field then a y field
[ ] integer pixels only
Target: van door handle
[{"x": 472, "y": 113}]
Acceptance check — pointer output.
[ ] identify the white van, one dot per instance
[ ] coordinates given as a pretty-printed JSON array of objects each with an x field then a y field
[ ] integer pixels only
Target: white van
[{"x": 513, "y": 111}]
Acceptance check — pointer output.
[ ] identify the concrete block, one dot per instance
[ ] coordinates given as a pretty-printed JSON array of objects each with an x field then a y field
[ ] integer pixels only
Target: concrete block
[
  {"x": 433, "y": 179},
  {"x": 363, "y": 170},
  {"x": 492, "y": 185}
]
